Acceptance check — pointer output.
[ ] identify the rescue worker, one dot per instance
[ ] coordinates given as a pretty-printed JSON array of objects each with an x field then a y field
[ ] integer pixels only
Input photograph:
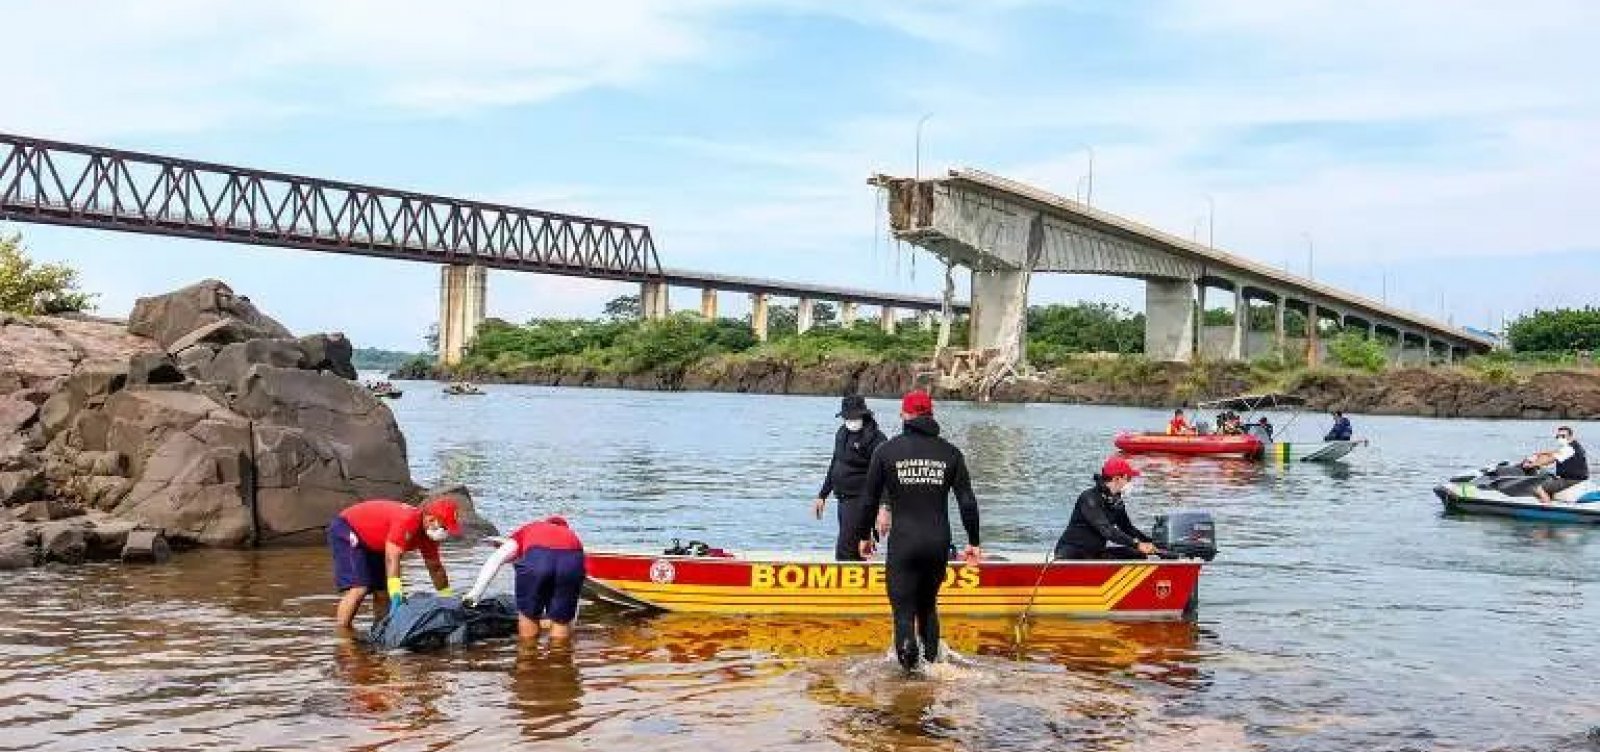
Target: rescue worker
[
  {"x": 853, "y": 445},
  {"x": 1100, "y": 528},
  {"x": 1342, "y": 430},
  {"x": 550, "y": 571},
  {"x": 369, "y": 538},
  {"x": 1571, "y": 465},
  {"x": 1179, "y": 425},
  {"x": 918, "y": 470}
]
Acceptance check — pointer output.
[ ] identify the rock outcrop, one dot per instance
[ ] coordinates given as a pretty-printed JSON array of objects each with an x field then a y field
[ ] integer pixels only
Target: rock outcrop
[{"x": 204, "y": 422}]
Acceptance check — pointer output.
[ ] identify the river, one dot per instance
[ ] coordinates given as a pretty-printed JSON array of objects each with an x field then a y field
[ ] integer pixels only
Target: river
[{"x": 1344, "y": 611}]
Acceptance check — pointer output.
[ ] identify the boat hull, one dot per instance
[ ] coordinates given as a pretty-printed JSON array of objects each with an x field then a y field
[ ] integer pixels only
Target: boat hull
[
  {"x": 1138, "y": 590},
  {"x": 1468, "y": 499},
  {"x": 1200, "y": 446}
]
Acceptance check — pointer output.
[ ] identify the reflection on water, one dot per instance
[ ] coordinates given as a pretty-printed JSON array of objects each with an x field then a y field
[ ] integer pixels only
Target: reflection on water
[{"x": 1345, "y": 611}]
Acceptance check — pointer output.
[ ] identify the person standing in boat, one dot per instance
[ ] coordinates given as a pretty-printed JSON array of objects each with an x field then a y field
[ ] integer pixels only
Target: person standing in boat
[
  {"x": 550, "y": 569},
  {"x": 918, "y": 470},
  {"x": 1571, "y": 465},
  {"x": 853, "y": 445},
  {"x": 1341, "y": 431},
  {"x": 1100, "y": 528}
]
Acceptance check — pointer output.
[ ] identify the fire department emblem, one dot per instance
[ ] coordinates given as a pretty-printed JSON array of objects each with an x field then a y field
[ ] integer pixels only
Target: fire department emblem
[
  {"x": 662, "y": 572},
  {"x": 1163, "y": 587}
]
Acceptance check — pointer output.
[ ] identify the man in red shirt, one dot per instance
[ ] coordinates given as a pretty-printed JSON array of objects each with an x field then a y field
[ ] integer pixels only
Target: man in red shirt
[
  {"x": 1179, "y": 425},
  {"x": 367, "y": 541},
  {"x": 550, "y": 572}
]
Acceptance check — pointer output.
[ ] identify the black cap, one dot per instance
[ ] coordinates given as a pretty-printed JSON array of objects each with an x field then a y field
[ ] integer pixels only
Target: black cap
[{"x": 853, "y": 406}]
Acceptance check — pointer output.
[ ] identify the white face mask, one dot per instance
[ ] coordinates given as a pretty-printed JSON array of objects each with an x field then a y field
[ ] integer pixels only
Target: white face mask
[
  {"x": 853, "y": 424},
  {"x": 1563, "y": 440},
  {"x": 438, "y": 534}
]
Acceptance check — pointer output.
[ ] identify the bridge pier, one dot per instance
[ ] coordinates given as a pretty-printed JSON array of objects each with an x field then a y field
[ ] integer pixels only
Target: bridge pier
[
  {"x": 886, "y": 319},
  {"x": 462, "y": 305},
  {"x": 1241, "y": 324},
  {"x": 805, "y": 315},
  {"x": 1313, "y": 335},
  {"x": 1000, "y": 311},
  {"x": 708, "y": 304},
  {"x": 926, "y": 320},
  {"x": 758, "y": 315},
  {"x": 848, "y": 311},
  {"x": 653, "y": 303},
  {"x": 1169, "y": 320}
]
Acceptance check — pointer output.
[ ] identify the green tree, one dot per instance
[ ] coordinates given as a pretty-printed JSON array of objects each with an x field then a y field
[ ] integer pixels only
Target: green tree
[
  {"x": 1355, "y": 350},
  {"x": 33, "y": 289},
  {"x": 1558, "y": 330},
  {"x": 1218, "y": 317},
  {"x": 623, "y": 308},
  {"x": 1056, "y": 330}
]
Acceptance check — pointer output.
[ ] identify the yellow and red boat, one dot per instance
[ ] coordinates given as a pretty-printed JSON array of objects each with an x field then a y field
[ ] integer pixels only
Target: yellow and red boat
[{"x": 1153, "y": 589}]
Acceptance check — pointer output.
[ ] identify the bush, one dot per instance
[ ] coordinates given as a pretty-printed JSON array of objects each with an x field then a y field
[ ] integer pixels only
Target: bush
[
  {"x": 1559, "y": 330},
  {"x": 33, "y": 289},
  {"x": 1354, "y": 350},
  {"x": 1056, "y": 332}
]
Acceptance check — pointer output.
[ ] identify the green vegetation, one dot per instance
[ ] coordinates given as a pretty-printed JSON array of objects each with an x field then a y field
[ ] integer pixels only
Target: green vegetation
[
  {"x": 375, "y": 359},
  {"x": 1563, "y": 330},
  {"x": 33, "y": 289},
  {"x": 1356, "y": 350},
  {"x": 1057, "y": 332}
]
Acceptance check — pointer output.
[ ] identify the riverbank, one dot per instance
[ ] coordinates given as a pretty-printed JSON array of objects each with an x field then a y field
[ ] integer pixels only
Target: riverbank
[{"x": 1436, "y": 391}]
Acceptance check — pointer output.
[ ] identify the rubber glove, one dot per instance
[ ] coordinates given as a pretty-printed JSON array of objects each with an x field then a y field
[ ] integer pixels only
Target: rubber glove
[
  {"x": 396, "y": 590},
  {"x": 446, "y": 592}
]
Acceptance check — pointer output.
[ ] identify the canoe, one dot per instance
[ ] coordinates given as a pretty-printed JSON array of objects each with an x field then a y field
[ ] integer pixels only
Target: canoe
[
  {"x": 812, "y": 586},
  {"x": 1214, "y": 445}
]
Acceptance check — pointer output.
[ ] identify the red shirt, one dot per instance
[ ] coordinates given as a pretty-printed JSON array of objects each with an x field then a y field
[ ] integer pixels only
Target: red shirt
[
  {"x": 548, "y": 533},
  {"x": 380, "y": 521},
  {"x": 1176, "y": 426}
]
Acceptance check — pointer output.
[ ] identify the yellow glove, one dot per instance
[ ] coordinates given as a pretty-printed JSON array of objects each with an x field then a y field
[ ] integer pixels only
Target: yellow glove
[
  {"x": 396, "y": 589},
  {"x": 446, "y": 592}
]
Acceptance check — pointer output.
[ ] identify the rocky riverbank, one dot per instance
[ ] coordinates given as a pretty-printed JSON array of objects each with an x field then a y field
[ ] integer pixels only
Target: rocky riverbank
[
  {"x": 1432, "y": 391},
  {"x": 201, "y": 421}
]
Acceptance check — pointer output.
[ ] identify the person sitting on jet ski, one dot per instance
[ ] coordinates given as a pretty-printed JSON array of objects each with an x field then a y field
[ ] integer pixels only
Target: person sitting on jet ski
[
  {"x": 1571, "y": 465},
  {"x": 1341, "y": 430}
]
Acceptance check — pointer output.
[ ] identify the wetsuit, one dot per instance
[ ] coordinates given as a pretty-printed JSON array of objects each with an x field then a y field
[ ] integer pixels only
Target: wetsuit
[
  {"x": 918, "y": 470},
  {"x": 1100, "y": 528},
  {"x": 847, "y": 476}
]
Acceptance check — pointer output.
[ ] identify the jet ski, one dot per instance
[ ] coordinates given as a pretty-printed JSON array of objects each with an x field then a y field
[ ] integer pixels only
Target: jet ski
[{"x": 1506, "y": 489}]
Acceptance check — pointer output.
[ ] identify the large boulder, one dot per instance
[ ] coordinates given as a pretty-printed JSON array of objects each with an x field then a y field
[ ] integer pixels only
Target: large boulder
[
  {"x": 168, "y": 318},
  {"x": 153, "y": 368},
  {"x": 329, "y": 352},
  {"x": 86, "y": 387},
  {"x": 233, "y": 361},
  {"x": 358, "y": 427}
]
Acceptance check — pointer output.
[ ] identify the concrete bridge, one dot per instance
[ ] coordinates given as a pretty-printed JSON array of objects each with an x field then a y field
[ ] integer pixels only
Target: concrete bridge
[
  {"x": 1005, "y": 232},
  {"x": 52, "y": 182}
]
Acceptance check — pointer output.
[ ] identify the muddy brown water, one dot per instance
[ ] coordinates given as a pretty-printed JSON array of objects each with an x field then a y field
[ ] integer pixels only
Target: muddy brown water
[{"x": 1345, "y": 611}]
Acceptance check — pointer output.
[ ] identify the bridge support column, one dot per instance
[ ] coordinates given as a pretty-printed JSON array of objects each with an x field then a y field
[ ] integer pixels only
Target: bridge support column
[
  {"x": 708, "y": 304},
  {"x": 1169, "y": 320},
  {"x": 847, "y": 313},
  {"x": 462, "y": 304},
  {"x": 805, "y": 315},
  {"x": 1241, "y": 324},
  {"x": 758, "y": 315},
  {"x": 653, "y": 301},
  {"x": 1313, "y": 335},
  {"x": 926, "y": 320},
  {"x": 1198, "y": 351},
  {"x": 886, "y": 319},
  {"x": 999, "y": 311},
  {"x": 1280, "y": 334}
]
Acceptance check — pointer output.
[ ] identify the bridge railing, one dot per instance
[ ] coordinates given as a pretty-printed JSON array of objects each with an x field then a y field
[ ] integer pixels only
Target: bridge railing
[{"x": 84, "y": 186}]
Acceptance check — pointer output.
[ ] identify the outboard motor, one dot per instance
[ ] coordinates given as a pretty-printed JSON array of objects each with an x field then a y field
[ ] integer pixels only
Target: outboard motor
[{"x": 1187, "y": 533}]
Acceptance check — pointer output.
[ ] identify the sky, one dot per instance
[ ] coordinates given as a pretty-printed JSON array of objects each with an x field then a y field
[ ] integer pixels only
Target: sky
[{"x": 1441, "y": 154}]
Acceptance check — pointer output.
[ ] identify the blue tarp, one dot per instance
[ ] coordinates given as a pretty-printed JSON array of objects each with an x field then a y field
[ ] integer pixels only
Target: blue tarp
[{"x": 428, "y": 622}]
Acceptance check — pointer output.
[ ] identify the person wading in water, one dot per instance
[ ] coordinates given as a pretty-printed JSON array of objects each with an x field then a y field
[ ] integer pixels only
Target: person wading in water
[
  {"x": 919, "y": 470},
  {"x": 853, "y": 445}
]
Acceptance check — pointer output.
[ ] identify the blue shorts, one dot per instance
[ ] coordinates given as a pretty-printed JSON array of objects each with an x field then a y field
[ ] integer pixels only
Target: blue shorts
[
  {"x": 548, "y": 583},
  {"x": 354, "y": 565}
]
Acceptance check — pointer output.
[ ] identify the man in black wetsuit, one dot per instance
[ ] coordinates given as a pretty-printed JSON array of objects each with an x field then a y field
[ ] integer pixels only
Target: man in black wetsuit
[
  {"x": 918, "y": 470},
  {"x": 1100, "y": 528},
  {"x": 853, "y": 445}
]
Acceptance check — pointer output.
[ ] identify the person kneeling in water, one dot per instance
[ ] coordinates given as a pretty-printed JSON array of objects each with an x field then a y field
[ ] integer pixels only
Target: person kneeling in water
[
  {"x": 550, "y": 573},
  {"x": 1100, "y": 528},
  {"x": 919, "y": 470}
]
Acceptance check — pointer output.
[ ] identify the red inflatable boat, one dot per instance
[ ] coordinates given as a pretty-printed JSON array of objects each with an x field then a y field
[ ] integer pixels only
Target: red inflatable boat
[{"x": 1213, "y": 445}]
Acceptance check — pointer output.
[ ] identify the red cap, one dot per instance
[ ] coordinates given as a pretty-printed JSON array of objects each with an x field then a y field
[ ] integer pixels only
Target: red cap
[
  {"x": 444, "y": 509},
  {"x": 556, "y": 519},
  {"x": 916, "y": 403},
  {"x": 1117, "y": 467}
]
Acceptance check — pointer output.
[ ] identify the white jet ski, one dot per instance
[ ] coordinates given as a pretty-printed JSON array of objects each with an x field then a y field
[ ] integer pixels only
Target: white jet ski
[{"x": 1507, "y": 490}]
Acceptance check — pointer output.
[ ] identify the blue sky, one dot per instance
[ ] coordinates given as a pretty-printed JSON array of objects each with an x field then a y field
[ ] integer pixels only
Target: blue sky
[{"x": 1448, "y": 151}]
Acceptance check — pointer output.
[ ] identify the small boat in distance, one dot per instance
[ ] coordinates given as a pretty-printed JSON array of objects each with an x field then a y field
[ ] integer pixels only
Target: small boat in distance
[
  {"x": 384, "y": 390},
  {"x": 461, "y": 388}
]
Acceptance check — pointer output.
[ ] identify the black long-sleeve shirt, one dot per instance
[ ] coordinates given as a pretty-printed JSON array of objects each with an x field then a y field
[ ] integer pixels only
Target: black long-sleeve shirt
[
  {"x": 852, "y": 454},
  {"x": 1099, "y": 518},
  {"x": 919, "y": 471}
]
